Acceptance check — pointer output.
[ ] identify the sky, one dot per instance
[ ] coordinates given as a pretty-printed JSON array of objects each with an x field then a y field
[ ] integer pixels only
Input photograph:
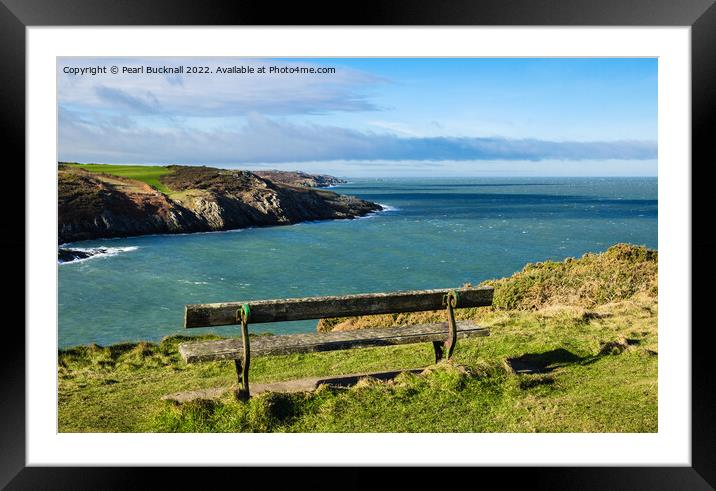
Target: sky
[{"x": 366, "y": 117}]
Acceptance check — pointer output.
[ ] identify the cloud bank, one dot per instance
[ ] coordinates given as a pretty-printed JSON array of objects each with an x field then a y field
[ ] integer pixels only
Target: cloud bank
[{"x": 269, "y": 140}]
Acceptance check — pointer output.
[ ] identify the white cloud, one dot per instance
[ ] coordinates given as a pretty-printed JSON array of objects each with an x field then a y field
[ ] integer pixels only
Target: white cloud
[{"x": 213, "y": 95}]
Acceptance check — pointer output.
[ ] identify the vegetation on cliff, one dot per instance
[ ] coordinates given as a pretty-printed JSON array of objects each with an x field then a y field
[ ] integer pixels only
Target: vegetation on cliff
[
  {"x": 573, "y": 348},
  {"x": 148, "y": 174},
  {"x": 98, "y": 201}
]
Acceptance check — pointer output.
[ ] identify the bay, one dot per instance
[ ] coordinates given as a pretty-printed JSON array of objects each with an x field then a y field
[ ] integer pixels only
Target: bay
[{"x": 435, "y": 233}]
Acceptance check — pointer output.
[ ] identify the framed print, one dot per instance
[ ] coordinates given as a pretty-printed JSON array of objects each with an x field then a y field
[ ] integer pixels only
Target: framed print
[{"x": 493, "y": 202}]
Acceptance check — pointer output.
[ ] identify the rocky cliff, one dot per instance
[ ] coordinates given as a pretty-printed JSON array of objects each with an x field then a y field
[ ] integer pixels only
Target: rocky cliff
[
  {"x": 298, "y": 178},
  {"x": 96, "y": 205}
]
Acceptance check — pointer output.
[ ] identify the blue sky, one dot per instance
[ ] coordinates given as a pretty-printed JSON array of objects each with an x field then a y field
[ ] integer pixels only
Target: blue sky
[{"x": 372, "y": 117}]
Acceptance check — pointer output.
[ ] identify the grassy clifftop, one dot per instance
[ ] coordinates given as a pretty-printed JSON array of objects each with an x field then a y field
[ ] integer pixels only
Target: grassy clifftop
[
  {"x": 617, "y": 274},
  {"x": 161, "y": 177},
  {"x": 573, "y": 347},
  {"x": 148, "y": 174}
]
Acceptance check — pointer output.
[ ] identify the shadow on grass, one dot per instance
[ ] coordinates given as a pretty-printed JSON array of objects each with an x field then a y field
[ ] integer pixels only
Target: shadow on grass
[
  {"x": 282, "y": 408},
  {"x": 544, "y": 362},
  {"x": 547, "y": 361}
]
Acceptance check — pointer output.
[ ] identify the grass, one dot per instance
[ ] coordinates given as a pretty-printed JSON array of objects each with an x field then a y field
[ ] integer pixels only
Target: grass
[
  {"x": 598, "y": 370},
  {"x": 148, "y": 174}
]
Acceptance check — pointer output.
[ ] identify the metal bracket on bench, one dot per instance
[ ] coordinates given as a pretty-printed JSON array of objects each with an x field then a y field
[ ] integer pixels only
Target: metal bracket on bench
[
  {"x": 450, "y": 301},
  {"x": 242, "y": 366}
]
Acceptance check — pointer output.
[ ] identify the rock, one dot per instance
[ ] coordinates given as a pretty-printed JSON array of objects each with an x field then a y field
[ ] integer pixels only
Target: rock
[{"x": 67, "y": 255}]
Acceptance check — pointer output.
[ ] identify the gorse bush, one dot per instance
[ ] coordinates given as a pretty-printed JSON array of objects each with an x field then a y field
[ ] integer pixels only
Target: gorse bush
[{"x": 594, "y": 279}]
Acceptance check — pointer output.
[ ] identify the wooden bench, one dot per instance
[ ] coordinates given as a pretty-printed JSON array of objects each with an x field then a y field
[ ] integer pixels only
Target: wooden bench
[{"x": 443, "y": 335}]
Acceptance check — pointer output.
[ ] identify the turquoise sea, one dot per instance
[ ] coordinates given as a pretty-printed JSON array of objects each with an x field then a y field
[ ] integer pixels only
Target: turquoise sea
[{"x": 436, "y": 233}]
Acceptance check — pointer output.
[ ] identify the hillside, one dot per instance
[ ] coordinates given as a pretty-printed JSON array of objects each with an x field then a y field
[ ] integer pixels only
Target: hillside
[
  {"x": 95, "y": 201},
  {"x": 573, "y": 348}
]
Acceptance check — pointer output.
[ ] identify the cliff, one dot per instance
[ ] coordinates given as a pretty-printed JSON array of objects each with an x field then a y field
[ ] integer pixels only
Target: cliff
[
  {"x": 298, "y": 178},
  {"x": 199, "y": 199}
]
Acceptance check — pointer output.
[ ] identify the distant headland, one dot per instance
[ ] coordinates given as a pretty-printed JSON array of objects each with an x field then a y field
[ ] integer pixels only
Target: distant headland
[{"x": 104, "y": 201}]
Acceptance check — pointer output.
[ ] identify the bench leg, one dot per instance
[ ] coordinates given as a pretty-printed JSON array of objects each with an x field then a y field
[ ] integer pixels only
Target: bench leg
[
  {"x": 242, "y": 366},
  {"x": 438, "y": 347},
  {"x": 452, "y": 333},
  {"x": 242, "y": 375},
  {"x": 239, "y": 372},
  {"x": 451, "y": 301}
]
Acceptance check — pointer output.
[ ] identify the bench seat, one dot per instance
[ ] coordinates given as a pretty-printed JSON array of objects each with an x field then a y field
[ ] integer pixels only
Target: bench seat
[{"x": 232, "y": 349}]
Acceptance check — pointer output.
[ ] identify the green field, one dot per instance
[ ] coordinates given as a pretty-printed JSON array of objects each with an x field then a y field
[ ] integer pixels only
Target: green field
[
  {"x": 588, "y": 328},
  {"x": 148, "y": 174}
]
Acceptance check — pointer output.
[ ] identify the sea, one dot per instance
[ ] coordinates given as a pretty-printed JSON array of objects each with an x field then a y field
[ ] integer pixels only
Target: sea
[{"x": 433, "y": 233}]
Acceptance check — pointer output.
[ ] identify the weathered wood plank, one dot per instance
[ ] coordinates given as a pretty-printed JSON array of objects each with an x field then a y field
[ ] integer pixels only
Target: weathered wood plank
[
  {"x": 231, "y": 349},
  {"x": 293, "y": 309}
]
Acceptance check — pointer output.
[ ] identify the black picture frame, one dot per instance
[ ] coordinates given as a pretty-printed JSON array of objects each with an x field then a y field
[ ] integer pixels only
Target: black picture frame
[{"x": 700, "y": 15}]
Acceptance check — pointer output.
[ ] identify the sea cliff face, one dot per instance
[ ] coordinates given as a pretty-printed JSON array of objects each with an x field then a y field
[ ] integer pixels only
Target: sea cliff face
[{"x": 94, "y": 205}]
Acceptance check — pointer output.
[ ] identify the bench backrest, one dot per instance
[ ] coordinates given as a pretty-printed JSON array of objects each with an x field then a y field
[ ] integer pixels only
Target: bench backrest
[{"x": 293, "y": 309}]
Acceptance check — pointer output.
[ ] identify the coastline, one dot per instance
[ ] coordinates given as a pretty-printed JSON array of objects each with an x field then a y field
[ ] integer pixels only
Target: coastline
[
  {"x": 77, "y": 244},
  {"x": 96, "y": 202}
]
